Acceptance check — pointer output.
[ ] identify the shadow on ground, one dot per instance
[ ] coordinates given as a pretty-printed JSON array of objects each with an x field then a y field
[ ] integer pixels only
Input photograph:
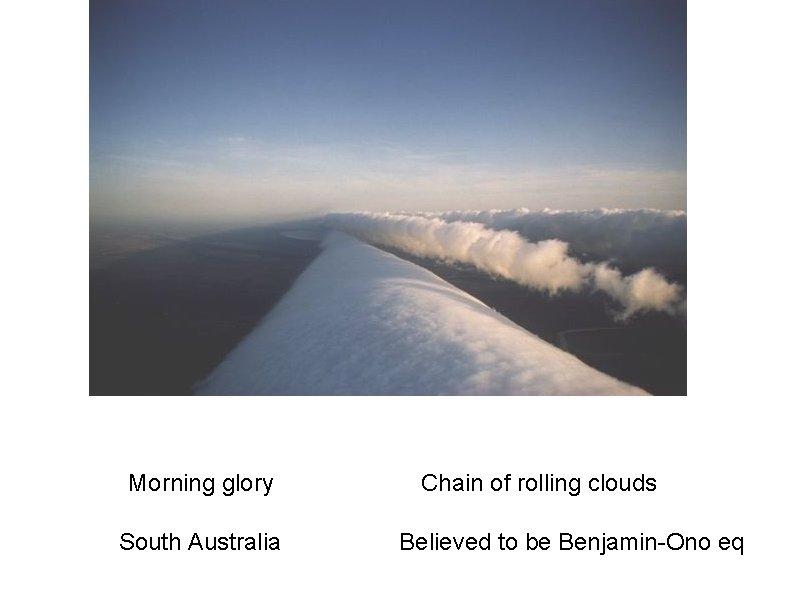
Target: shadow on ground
[{"x": 162, "y": 318}]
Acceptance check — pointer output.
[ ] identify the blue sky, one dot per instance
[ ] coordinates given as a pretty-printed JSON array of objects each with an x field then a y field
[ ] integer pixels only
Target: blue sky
[{"x": 238, "y": 110}]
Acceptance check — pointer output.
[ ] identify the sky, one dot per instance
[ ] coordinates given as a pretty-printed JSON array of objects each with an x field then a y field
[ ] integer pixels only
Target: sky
[{"x": 237, "y": 110}]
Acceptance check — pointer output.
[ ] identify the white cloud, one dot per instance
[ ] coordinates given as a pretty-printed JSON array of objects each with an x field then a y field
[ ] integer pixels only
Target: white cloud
[
  {"x": 362, "y": 321},
  {"x": 543, "y": 265}
]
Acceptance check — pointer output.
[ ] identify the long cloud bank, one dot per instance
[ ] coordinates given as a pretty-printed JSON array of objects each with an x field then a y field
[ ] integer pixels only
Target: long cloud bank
[
  {"x": 359, "y": 320},
  {"x": 632, "y": 238},
  {"x": 543, "y": 265}
]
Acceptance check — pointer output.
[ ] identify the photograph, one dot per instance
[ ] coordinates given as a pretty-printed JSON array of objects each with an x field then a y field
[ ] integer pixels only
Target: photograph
[{"x": 375, "y": 198}]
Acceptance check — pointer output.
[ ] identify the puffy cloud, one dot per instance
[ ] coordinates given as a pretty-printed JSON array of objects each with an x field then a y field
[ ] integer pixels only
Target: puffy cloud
[
  {"x": 633, "y": 238},
  {"x": 544, "y": 265},
  {"x": 645, "y": 290}
]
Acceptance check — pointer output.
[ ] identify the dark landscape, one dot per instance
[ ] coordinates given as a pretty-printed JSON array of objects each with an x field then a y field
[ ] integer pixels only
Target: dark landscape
[
  {"x": 166, "y": 309},
  {"x": 162, "y": 318}
]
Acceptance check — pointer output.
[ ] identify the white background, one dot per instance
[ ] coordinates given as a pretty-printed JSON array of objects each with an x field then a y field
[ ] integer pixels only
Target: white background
[{"x": 347, "y": 471}]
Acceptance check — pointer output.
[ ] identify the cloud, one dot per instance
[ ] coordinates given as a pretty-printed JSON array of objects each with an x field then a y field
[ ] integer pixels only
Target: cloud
[
  {"x": 363, "y": 321},
  {"x": 543, "y": 265},
  {"x": 642, "y": 291},
  {"x": 631, "y": 238}
]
